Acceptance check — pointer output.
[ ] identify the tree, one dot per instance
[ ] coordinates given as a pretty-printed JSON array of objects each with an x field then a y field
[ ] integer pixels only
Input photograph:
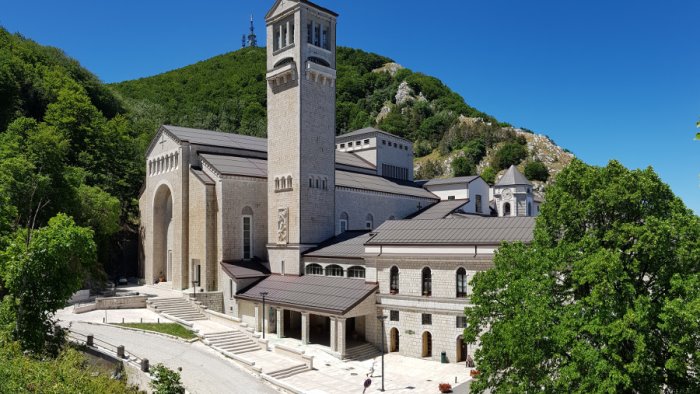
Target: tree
[
  {"x": 510, "y": 153},
  {"x": 41, "y": 274},
  {"x": 536, "y": 171},
  {"x": 489, "y": 175},
  {"x": 605, "y": 299}
]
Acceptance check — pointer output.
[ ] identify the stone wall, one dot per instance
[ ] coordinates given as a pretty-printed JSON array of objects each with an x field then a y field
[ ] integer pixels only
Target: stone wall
[{"x": 212, "y": 300}]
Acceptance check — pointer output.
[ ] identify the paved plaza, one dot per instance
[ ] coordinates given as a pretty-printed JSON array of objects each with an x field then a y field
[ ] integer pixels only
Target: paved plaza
[{"x": 330, "y": 375}]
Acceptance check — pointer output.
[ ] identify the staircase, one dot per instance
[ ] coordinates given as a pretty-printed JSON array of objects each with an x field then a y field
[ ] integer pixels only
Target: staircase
[
  {"x": 176, "y": 307},
  {"x": 287, "y": 372},
  {"x": 234, "y": 342},
  {"x": 362, "y": 352}
]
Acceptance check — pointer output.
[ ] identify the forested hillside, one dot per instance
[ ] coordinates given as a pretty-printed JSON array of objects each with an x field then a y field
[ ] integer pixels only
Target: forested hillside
[{"x": 227, "y": 93}]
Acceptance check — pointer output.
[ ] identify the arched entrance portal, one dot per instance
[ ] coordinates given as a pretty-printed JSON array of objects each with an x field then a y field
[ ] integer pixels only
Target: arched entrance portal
[
  {"x": 163, "y": 235},
  {"x": 461, "y": 349},
  {"x": 394, "y": 340},
  {"x": 427, "y": 344}
]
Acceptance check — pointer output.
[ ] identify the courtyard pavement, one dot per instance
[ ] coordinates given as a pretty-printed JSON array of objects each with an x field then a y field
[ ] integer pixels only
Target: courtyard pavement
[{"x": 330, "y": 375}]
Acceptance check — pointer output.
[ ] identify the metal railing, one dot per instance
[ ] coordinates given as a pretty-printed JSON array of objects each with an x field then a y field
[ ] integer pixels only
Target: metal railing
[{"x": 117, "y": 351}]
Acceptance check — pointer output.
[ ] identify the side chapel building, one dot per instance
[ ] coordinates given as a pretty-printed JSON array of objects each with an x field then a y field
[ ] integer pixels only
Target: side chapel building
[{"x": 333, "y": 229}]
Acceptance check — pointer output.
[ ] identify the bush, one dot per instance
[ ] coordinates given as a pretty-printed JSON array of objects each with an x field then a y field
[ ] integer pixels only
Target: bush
[
  {"x": 509, "y": 154},
  {"x": 429, "y": 170},
  {"x": 489, "y": 175},
  {"x": 422, "y": 148},
  {"x": 461, "y": 166},
  {"x": 166, "y": 381},
  {"x": 536, "y": 171}
]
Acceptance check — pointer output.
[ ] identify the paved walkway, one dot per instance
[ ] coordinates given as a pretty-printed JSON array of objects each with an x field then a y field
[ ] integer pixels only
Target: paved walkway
[
  {"x": 330, "y": 376},
  {"x": 203, "y": 370}
]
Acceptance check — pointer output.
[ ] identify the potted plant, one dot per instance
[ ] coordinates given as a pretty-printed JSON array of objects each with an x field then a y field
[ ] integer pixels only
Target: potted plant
[{"x": 445, "y": 387}]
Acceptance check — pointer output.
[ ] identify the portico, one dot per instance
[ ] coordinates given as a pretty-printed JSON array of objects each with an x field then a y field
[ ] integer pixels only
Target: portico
[{"x": 329, "y": 312}]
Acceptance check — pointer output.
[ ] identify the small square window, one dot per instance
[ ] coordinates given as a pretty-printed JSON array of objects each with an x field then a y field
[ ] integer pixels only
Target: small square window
[
  {"x": 461, "y": 322},
  {"x": 450, "y": 197},
  {"x": 426, "y": 319},
  {"x": 383, "y": 142},
  {"x": 349, "y": 144},
  {"x": 342, "y": 146},
  {"x": 367, "y": 142},
  {"x": 394, "y": 315},
  {"x": 395, "y": 145},
  {"x": 358, "y": 143}
]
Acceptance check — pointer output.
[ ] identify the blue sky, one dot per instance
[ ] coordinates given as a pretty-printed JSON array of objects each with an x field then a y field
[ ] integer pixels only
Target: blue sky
[{"x": 606, "y": 79}]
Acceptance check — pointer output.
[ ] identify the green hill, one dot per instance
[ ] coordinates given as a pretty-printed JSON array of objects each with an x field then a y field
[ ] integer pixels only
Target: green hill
[{"x": 228, "y": 93}]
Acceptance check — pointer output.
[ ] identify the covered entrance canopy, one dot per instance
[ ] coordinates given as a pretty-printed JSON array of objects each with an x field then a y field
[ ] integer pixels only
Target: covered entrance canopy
[{"x": 325, "y": 305}]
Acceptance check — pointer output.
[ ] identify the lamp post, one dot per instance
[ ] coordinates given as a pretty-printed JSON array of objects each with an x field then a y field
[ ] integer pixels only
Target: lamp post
[
  {"x": 263, "y": 294},
  {"x": 381, "y": 321}
]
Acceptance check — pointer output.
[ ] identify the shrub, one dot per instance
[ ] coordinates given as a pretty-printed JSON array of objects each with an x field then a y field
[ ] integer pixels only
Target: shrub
[
  {"x": 166, "y": 381},
  {"x": 489, "y": 175},
  {"x": 429, "y": 170},
  {"x": 536, "y": 171},
  {"x": 511, "y": 153},
  {"x": 461, "y": 166}
]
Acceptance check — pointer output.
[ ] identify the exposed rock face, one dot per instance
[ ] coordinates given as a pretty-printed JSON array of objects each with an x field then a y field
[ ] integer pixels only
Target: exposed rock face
[
  {"x": 386, "y": 109},
  {"x": 404, "y": 94},
  {"x": 391, "y": 68}
]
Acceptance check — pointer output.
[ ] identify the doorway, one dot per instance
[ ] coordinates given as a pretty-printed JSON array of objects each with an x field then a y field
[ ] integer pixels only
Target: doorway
[{"x": 394, "y": 340}]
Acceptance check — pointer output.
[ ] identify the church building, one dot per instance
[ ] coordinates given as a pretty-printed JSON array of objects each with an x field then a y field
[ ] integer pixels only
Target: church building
[{"x": 332, "y": 230}]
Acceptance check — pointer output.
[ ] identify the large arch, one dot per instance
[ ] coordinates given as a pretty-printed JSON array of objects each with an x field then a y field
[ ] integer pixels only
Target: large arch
[{"x": 163, "y": 234}]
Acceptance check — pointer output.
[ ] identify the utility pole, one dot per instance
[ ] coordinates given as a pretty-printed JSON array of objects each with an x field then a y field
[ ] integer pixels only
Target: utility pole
[{"x": 263, "y": 294}]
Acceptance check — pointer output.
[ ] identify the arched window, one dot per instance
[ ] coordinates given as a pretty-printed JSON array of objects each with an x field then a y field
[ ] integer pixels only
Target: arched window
[
  {"x": 461, "y": 283},
  {"x": 506, "y": 209},
  {"x": 311, "y": 182},
  {"x": 314, "y": 269},
  {"x": 325, "y": 184},
  {"x": 283, "y": 183},
  {"x": 277, "y": 183},
  {"x": 317, "y": 185},
  {"x": 356, "y": 272},
  {"x": 343, "y": 222},
  {"x": 529, "y": 209},
  {"x": 394, "y": 280},
  {"x": 247, "y": 233},
  {"x": 289, "y": 182},
  {"x": 369, "y": 221},
  {"x": 334, "y": 270},
  {"x": 426, "y": 282}
]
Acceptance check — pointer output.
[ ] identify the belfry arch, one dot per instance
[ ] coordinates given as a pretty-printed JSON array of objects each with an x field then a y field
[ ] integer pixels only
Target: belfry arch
[{"x": 163, "y": 235}]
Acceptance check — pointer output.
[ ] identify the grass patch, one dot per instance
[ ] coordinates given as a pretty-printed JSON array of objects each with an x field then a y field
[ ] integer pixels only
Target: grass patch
[{"x": 165, "y": 328}]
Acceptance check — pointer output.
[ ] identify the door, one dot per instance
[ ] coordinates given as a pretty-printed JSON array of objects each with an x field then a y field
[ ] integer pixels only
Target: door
[{"x": 394, "y": 340}]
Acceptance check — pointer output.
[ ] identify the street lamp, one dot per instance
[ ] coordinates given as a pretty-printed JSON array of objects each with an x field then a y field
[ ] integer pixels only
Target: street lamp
[
  {"x": 263, "y": 294},
  {"x": 381, "y": 321}
]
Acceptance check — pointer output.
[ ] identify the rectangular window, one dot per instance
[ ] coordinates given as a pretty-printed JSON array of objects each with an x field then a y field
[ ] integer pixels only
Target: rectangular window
[
  {"x": 198, "y": 274},
  {"x": 478, "y": 203},
  {"x": 342, "y": 146},
  {"x": 461, "y": 322},
  {"x": 450, "y": 198},
  {"x": 383, "y": 142},
  {"x": 367, "y": 142},
  {"x": 394, "y": 315},
  {"x": 247, "y": 237},
  {"x": 349, "y": 144},
  {"x": 343, "y": 226},
  {"x": 230, "y": 289},
  {"x": 309, "y": 32},
  {"x": 426, "y": 319}
]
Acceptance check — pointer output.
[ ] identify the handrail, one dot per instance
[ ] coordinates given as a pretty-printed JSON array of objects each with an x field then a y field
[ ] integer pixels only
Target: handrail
[{"x": 129, "y": 357}]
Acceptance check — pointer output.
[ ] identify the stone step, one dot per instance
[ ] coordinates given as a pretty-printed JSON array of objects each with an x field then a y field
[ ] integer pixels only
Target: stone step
[
  {"x": 287, "y": 372},
  {"x": 225, "y": 334},
  {"x": 362, "y": 352},
  {"x": 251, "y": 347}
]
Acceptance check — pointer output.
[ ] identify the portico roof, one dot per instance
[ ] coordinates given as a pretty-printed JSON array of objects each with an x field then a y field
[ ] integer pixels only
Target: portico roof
[{"x": 331, "y": 295}]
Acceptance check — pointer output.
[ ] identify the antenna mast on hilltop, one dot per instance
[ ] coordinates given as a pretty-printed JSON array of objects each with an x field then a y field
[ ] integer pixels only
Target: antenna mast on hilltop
[
  {"x": 243, "y": 42},
  {"x": 252, "y": 38}
]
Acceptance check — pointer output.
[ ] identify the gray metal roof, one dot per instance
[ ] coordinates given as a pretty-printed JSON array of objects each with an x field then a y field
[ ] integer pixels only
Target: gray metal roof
[
  {"x": 245, "y": 269},
  {"x": 234, "y": 165},
  {"x": 218, "y": 138},
  {"x": 513, "y": 177},
  {"x": 474, "y": 231},
  {"x": 351, "y": 159},
  {"x": 451, "y": 181},
  {"x": 326, "y": 294},
  {"x": 350, "y": 244},
  {"x": 379, "y": 184},
  {"x": 440, "y": 210},
  {"x": 204, "y": 178},
  {"x": 365, "y": 131}
]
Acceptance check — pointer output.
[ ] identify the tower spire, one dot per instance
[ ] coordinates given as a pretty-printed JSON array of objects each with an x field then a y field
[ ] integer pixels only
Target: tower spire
[{"x": 252, "y": 38}]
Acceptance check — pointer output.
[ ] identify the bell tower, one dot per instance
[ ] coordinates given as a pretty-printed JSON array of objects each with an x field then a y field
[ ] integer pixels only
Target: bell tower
[{"x": 301, "y": 78}]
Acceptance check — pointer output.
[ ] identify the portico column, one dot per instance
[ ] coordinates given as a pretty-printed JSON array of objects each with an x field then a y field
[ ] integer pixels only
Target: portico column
[
  {"x": 305, "y": 328},
  {"x": 280, "y": 323},
  {"x": 334, "y": 335},
  {"x": 257, "y": 318},
  {"x": 341, "y": 336}
]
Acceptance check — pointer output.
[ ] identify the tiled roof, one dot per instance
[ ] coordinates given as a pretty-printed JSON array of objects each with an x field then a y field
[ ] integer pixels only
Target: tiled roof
[
  {"x": 513, "y": 177},
  {"x": 440, "y": 210},
  {"x": 202, "y": 176},
  {"x": 245, "y": 269},
  {"x": 379, "y": 184},
  {"x": 473, "y": 231},
  {"x": 234, "y": 165},
  {"x": 218, "y": 138},
  {"x": 451, "y": 181},
  {"x": 350, "y": 244},
  {"x": 325, "y": 294}
]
